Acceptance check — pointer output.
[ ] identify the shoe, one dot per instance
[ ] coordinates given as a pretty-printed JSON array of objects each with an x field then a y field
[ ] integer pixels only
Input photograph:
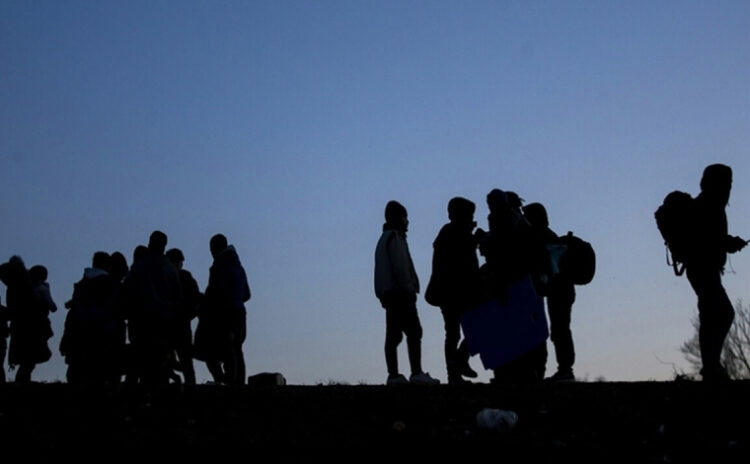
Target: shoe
[
  {"x": 458, "y": 381},
  {"x": 423, "y": 378},
  {"x": 396, "y": 379},
  {"x": 562, "y": 376},
  {"x": 467, "y": 371}
]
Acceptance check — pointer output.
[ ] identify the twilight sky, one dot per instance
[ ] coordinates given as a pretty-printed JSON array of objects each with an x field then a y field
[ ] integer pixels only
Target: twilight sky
[{"x": 288, "y": 125}]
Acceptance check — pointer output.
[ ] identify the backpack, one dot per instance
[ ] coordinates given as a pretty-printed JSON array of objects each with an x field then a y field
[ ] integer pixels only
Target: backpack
[
  {"x": 673, "y": 219},
  {"x": 578, "y": 261}
]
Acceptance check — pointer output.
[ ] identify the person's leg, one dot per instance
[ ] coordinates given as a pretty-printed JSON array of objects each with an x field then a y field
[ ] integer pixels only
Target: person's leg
[
  {"x": 185, "y": 361},
  {"x": 235, "y": 365},
  {"x": 452, "y": 327},
  {"x": 393, "y": 337},
  {"x": 214, "y": 367},
  {"x": 413, "y": 330},
  {"x": 23, "y": 374},
  {"x": 3, "y": 349},
  {"x": 239, "y": 368},
  {"x": 715, "y": 314},
  {"x": 559, "y": 309}
]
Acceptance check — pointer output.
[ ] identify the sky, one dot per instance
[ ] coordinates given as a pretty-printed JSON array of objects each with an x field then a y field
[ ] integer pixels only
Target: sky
[{"x": 288, "y": 125}]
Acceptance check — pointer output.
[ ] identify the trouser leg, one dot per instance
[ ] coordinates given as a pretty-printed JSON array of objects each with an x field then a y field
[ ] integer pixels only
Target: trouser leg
[
  {"x": 715, "y": 313},
  {"x": 402, "y": 318},
  {"x": 214, "y": 367},
  {"x": 3, "y": 348},
  {"x": 23, "y": 375},
  {"x": 559, "y": 315},
  {"x": 454, "y": 353},
  {"x": 413, "y": 331},
  {"x": 393, "y": 338}
]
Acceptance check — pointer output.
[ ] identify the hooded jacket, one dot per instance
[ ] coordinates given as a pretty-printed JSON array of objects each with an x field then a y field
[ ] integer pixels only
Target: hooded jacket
[
  {"x": 394, "y": 269},
  {"x": 227, "y": 288}
]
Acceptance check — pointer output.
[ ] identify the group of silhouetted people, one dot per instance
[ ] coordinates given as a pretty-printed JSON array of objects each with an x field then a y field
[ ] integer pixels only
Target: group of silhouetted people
[
  {"x": 132, "y": 323},
  {"x": 519, "y": 243},
  {"x": 136, "y": 322}
]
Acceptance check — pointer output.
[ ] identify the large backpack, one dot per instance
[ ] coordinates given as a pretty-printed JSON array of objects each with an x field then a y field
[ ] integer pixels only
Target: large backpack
[
  {"x": 674, "y": 220},
  {"x": 578, "y": 262}
]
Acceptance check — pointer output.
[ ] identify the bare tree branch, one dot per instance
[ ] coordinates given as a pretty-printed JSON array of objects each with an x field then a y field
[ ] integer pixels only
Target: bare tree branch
[{"x": 736, "y": 353}]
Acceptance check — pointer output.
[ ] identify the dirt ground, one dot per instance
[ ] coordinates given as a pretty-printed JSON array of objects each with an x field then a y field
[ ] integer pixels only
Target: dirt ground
[{"x": 680, "y": 421}]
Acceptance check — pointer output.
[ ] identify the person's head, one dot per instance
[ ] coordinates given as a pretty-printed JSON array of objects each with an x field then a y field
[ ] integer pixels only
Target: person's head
[
  {"x": 139, "y": 253},
  {"x": 157, "y": 242},
  {"x": 38, "y": 274},
  {"x": 218, "y": 244},
  {"x": 536, "y": 214},
  {"x": 499, "y": 201},
  {"x": 101, "y": 260},
  {"x": 461, "y": 210},
  {"x": 118, "y": 265},
  {"x": 396, "y": 216},
  {"x": 175, "y": 256},
  {"x": 14, "y": 271},
  {"x": 716, "y": 182}
]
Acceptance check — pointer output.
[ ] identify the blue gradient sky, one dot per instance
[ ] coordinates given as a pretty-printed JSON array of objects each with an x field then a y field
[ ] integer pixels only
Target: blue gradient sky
[{"x": 287, "y": 126}]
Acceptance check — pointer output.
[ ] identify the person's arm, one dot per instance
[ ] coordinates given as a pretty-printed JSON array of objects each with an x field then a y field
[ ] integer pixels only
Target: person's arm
[
  {"x": 735, "y": 244},
  {"x": 398, "y": 253}
]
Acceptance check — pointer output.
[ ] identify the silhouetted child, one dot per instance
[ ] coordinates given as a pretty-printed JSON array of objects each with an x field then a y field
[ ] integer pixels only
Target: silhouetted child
[
  {"x": 454, "y": 284},
  {"x": 397, "y": 286},
  {"x": 38, "y": 275}
]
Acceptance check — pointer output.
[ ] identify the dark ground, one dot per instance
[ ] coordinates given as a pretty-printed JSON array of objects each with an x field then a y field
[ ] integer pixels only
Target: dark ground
[{"x": 575, "y": 422}]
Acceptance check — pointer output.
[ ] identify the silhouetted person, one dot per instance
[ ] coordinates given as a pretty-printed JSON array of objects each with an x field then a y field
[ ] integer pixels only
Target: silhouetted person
[
  {"x": 118, "y": 266},
  {"x": 222, "y": 317},
  {"x": 92, "y": 339},
  {"x": 397, "y": 286},
  {"x": 3, "y": 339},
  {"x": 509, "y": 248},
  {"x": 38, "y": 276},
  {"x": 129, "y": 358},
  {"x": 561, "y": 295},
  {"x": 153, "y": 296},
  {"x": 454, "y": 284},
  {"x": 705, "y": 265},
  {"x": 139, "y": 252},
  {"x": 512, "y": 251},
  {"x": 118, "y": 269},
  {"x": 29, "y": 320},
  {"x": 182, "y": 335}
]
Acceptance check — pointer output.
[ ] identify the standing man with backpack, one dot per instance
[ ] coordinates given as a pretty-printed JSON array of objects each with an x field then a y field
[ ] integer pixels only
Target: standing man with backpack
[
  {"x": 705, "y": 264},
  {"x": 397, "y": 286}
]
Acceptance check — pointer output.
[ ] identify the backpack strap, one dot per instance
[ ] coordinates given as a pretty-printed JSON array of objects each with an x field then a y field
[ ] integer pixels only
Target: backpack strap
[{"x": 679, "y": 268}]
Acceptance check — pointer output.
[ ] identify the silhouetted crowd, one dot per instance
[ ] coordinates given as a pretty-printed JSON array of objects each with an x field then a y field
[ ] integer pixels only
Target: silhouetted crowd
[
  {"x": 135, "y": 323},
  {"x": 519, "y": 244},
  {"x": 520, "y": 247},
  {"x": 131, "y": 324}
]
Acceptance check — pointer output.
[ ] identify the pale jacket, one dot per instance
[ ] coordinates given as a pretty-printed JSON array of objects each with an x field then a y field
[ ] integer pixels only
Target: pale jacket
[{"x": 394, "y": 269}]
